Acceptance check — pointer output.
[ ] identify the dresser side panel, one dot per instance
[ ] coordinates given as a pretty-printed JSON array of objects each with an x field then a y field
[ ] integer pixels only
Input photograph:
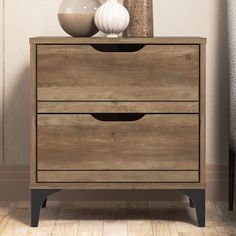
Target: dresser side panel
[
  {"x": 33, "y": 66},
  {"x": 203, "y": 113}
]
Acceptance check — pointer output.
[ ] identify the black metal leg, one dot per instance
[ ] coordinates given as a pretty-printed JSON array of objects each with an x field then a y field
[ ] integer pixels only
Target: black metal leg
[
  {"x": 191, "y": 203},
  {"x": 197, "y": 196},
  {"x": 231, "y": 179},
  {"x": 44, "y": 203},
  {"x": 38, "y": 196}
]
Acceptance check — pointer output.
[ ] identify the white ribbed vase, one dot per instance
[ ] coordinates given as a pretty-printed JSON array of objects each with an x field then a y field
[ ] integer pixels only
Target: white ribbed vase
[{"x": 112, "y": 18}]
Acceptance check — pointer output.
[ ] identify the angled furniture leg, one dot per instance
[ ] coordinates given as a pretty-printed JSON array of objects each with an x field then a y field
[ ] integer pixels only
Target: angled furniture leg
[
  {"x": 191, "y": 203},
  {"x": 44, "y": 203},
  {"x": 38, "y": 197},
  {"x": 197, "y": 197},
  {"x": 231, "y": 179}
]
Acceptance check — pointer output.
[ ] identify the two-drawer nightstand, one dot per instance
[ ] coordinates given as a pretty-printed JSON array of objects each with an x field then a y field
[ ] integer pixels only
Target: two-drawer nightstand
[{"x": 126, "y": 113}]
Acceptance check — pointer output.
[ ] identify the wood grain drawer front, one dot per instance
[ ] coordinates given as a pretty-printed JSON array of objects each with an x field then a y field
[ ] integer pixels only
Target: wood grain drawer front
[
  {"x": 119, "y": 176},
  {"x": 122, "y": 142},
  {"x": 154, "y": 72}
]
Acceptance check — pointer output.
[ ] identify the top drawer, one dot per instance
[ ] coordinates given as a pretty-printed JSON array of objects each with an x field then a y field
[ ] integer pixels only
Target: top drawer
[{"x": 118, "y": 72}]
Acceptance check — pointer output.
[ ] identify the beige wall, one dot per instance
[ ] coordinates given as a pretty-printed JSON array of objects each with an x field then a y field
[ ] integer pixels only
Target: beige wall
[
  {"x": 26, "y": 18},
  {"x": 1, "y": 82}
]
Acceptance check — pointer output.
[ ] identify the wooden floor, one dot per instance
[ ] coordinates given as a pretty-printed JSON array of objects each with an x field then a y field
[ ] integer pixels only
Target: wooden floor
[{"x": 115, "y": 219}]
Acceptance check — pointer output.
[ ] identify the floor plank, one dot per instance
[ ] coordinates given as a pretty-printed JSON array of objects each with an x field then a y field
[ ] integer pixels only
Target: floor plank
[
  {"x": 6, "y": 211},
  {"x": 47, "y": 222},
  {"x": 91, "y": 218},
  {"x": 115, "y": 221},
  {"x": 139, "y": 219},
  {"x": 173, "y": 219},
  {"x": 209, "y": 231},
  {"x": 17, "y": 224},
  {"x": 115, "y": 228},
  {"x": 67, "y": 223},
  {"x": 90, "y": 234}
]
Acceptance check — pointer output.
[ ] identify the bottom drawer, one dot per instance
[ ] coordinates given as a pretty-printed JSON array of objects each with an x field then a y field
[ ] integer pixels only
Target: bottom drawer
[
  {"x": 119, "y": 176},
  {"x": 119, "y": 142}
]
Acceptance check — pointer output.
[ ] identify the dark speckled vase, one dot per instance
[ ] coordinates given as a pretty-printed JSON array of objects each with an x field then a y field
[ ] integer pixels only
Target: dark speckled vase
[{"x": 141, "y": 18}]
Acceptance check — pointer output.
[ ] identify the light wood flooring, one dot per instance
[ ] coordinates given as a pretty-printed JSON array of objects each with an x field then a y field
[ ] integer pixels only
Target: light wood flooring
[{"x": 115, "y": 219}]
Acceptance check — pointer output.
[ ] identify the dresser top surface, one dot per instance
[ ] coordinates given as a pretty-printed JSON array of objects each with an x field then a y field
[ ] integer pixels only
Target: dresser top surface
[{"x": 127, "y": 40}]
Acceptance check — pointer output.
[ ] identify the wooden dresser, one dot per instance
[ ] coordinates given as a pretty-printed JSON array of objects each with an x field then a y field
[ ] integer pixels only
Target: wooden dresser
[{"x": 125, "y": 113}]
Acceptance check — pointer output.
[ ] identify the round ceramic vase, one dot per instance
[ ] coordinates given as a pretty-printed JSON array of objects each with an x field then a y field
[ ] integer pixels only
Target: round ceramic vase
[
  {"x": 141, "y": 18},
  {"x": 76, "y": 17},
  {"x": 112, "y": 18}
]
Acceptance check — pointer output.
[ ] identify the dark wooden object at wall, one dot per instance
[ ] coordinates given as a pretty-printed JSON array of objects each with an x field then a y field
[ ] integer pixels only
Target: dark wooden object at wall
[
  {"x": 231, "y": 179},
  {"x": 126, "y": 113}
]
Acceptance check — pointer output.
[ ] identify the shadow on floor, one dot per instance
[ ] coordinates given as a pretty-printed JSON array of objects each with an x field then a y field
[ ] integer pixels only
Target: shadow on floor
[{"x": 90, "y": 211}]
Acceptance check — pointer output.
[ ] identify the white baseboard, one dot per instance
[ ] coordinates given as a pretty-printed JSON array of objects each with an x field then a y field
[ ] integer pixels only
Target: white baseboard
[{"x": 14, "y": 185}]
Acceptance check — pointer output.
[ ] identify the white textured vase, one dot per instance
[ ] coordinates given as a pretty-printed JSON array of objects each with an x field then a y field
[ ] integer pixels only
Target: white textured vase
[{"x": 112, "y": 18}]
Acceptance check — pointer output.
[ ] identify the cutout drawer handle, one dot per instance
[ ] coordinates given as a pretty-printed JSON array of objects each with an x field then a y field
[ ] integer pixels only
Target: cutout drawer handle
[
  {"x": 118, "y": 47},
  {"x": 117, "y": 116}
]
